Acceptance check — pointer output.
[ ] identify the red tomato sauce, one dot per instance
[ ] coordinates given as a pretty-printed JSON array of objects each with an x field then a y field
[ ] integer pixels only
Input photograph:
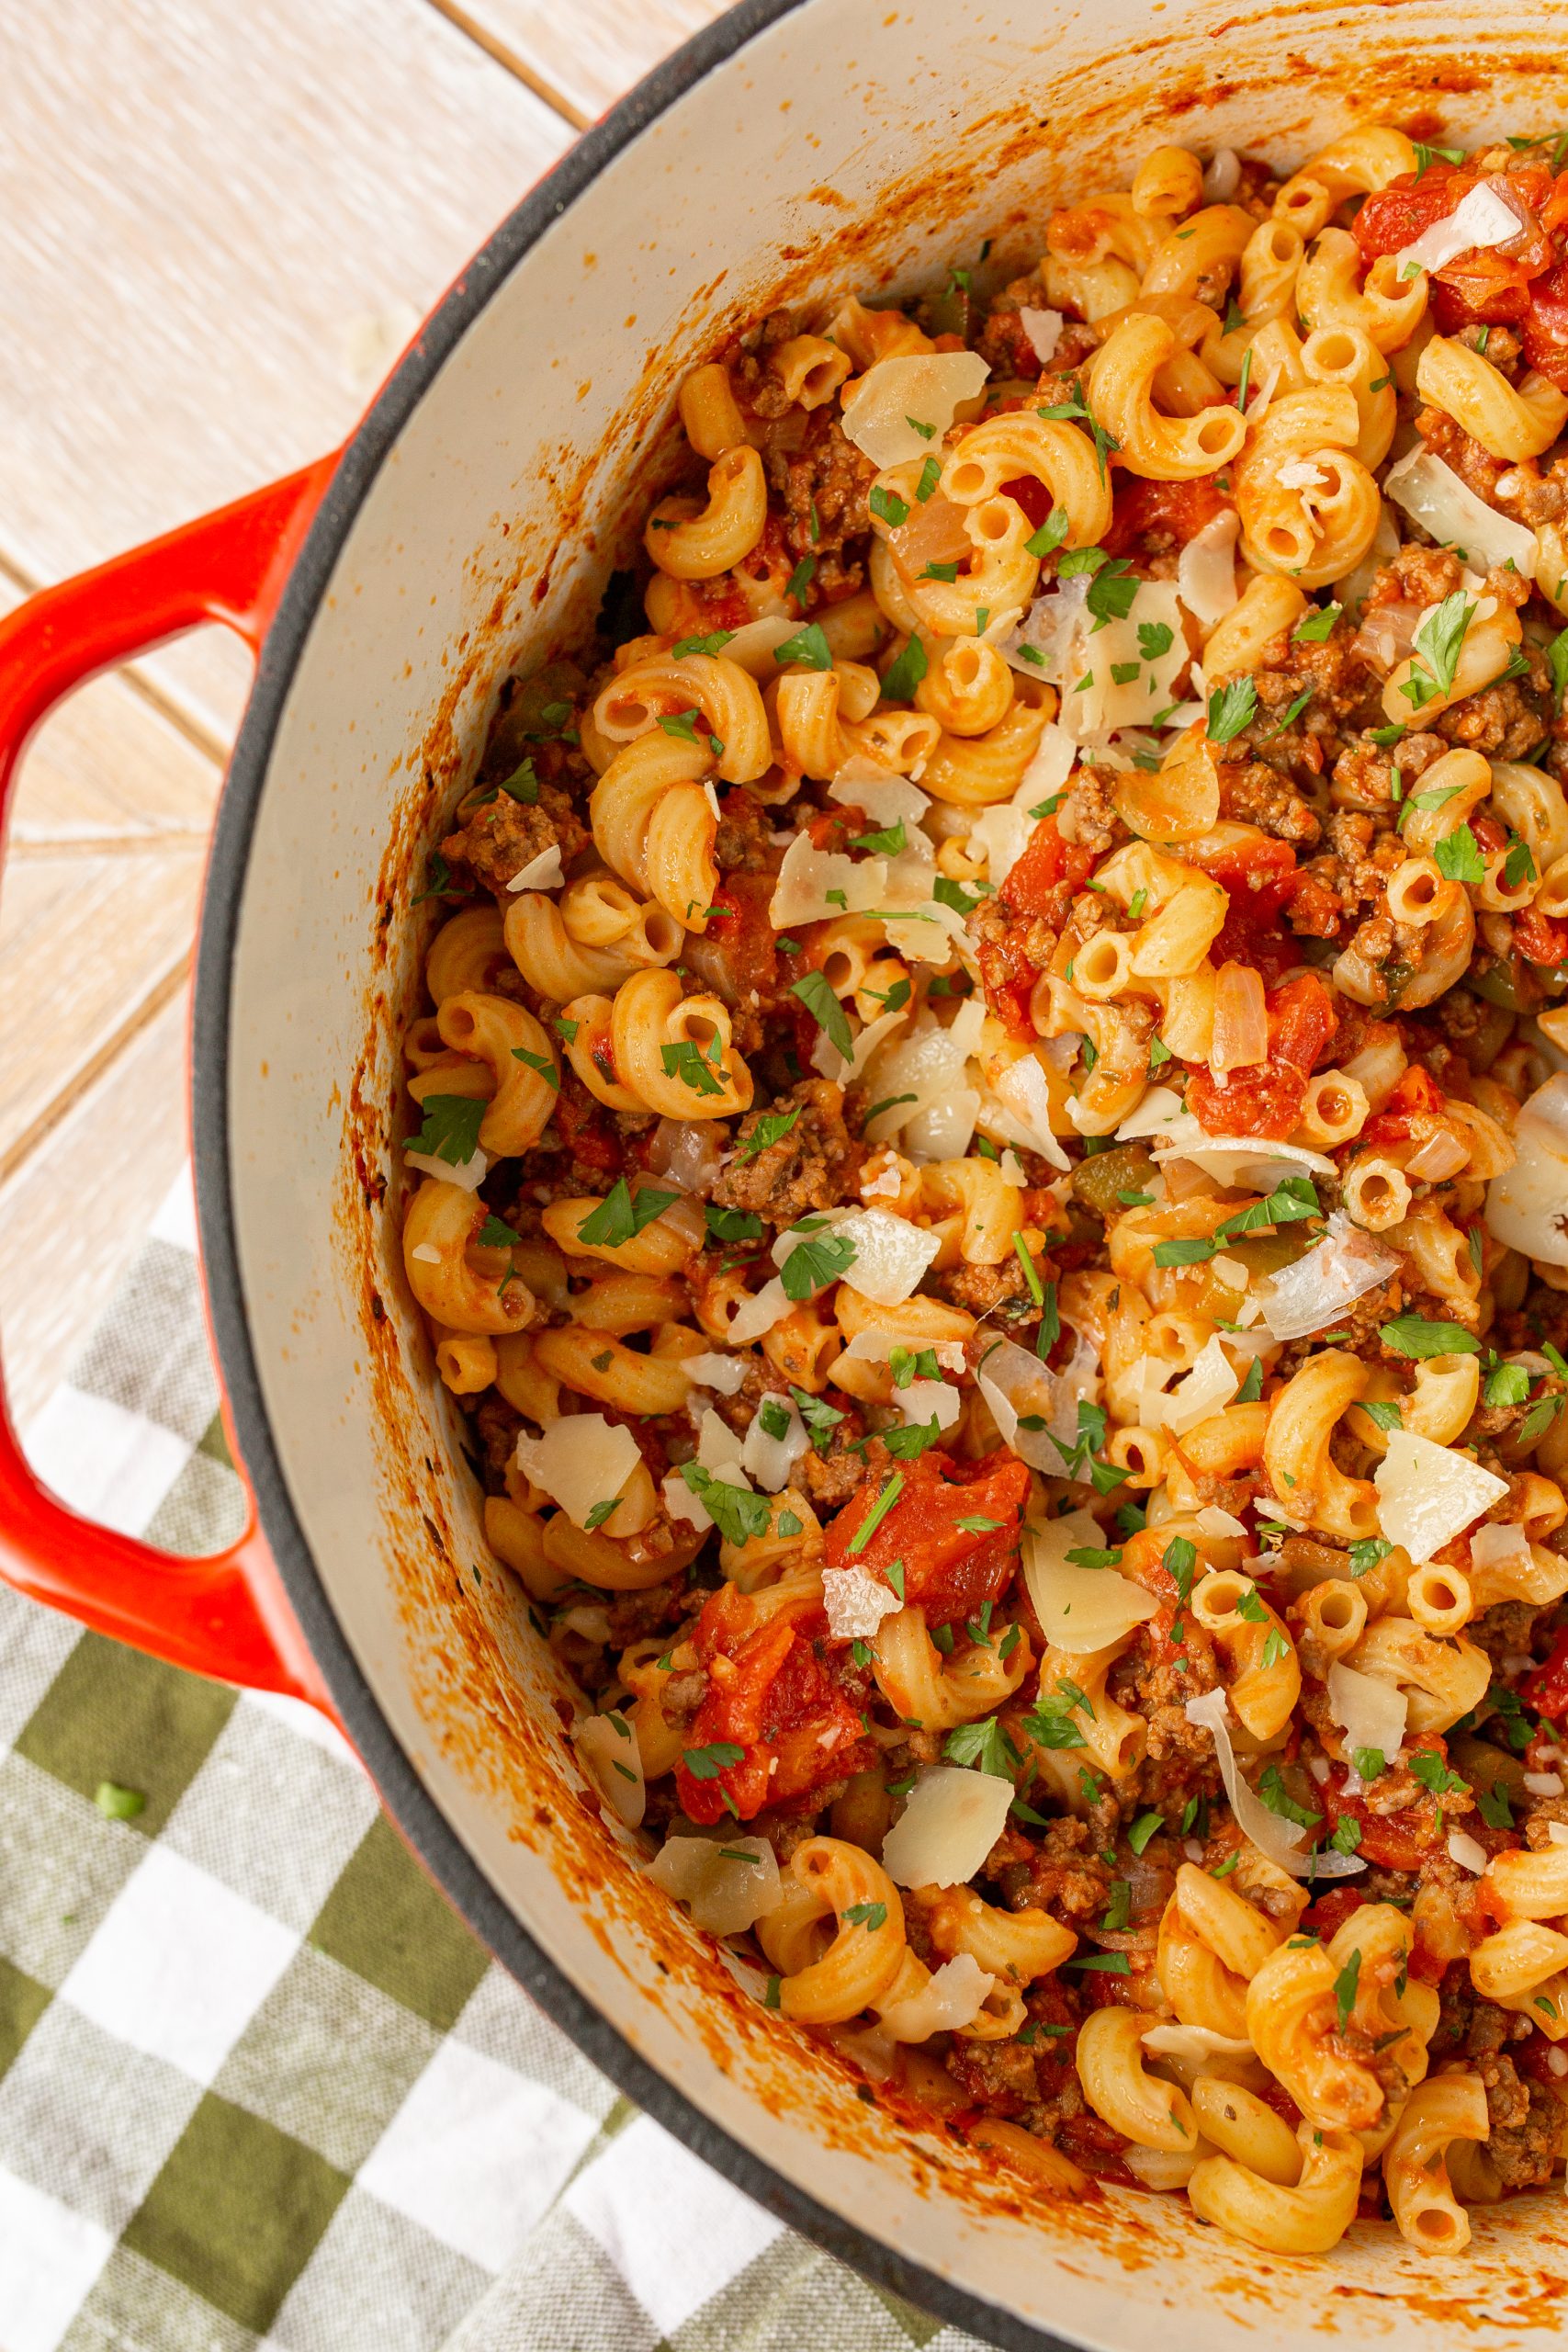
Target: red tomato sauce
[
  {"x": 1178, "y": 508},
  {"x": 1417, "y": 1093},
  {"x": 1545, "y": 1693},
  {"x": 949, "y": 1570},
  {"x": 739, "y": 928}
]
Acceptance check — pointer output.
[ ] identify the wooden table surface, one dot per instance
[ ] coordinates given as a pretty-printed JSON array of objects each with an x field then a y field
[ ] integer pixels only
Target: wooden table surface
[{"x": 217, "y": 225}]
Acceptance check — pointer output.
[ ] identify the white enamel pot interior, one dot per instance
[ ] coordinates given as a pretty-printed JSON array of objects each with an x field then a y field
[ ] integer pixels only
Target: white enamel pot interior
[{"x": 790, "y": 153}]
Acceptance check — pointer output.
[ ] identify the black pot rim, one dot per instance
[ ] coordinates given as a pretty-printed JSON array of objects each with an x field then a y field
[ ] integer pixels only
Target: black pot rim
[{"x": 418, "y": 1817}]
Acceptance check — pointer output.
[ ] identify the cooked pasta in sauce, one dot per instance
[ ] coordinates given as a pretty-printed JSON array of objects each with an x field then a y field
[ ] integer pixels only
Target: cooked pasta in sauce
[{"x": 993, "y": 1175}]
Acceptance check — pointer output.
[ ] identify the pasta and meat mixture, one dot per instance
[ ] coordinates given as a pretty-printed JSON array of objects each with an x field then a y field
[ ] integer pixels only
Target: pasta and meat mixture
[{"x": 992, "y": 1176}]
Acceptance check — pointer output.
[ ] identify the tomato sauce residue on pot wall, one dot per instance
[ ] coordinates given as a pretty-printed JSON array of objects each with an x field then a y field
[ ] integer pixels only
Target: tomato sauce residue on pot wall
[{"x": 492, "y": 1698}]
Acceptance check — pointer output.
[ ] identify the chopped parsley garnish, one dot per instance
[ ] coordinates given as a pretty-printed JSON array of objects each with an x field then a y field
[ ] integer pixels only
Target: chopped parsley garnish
[
  {"x": 1278, "y": 1798},
  {"x": 601, "y": 1512},
  {"x": 812, "y": 1264},
  {"x": 1367, "y": 1552},
  {"x": 820, "y": 1418},
  {"x": 1434, "y": 1774},
  {"x": 1230, "y": 707},
  {"x": 800, "y": 579},
  {"x": 808, "y": 647},
  {"x": 874, "y": 1517},
  {"x": 1458, "y": 857},
  {"x": 714, "y": 643},
  {"x": 451, "y": 1128},
  {"x": 819, "y": 1001},
  {"x": 1438, "y": 644},
  {"x": 736, "y": 1511},
  {"x": 731, "y": 1225},
  {"x": 1317, "y": 628},
  {"x": 1052, "y": 532},
  {"x": 1146, "y": 1825},
  {"x": 707, "y": 1763},
  {"x": 1412, "y": 1335},
  {"x": 1345, "y": 1985},
  {"x": 869, "y": 1916},
  {"x": 888, "y": 506},
  {"x": 694, "y": 1066},
  {"x": 621, "y": 1214},
  {"x": 983, "y": 1743},
  {"x": 905, "y": 674},
  {"x": 770, "y": 1129},
  {"x": 495, "y": 1235}
]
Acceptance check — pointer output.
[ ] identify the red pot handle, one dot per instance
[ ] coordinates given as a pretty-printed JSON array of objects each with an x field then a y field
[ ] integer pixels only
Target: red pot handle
[{"x": 226, "y": 1615}]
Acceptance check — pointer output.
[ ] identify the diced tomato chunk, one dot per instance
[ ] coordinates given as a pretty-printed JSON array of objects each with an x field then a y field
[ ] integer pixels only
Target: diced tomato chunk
[
  {"x": 949, "y": 1569},
  {"x": 1545, "y": 1691},
  {"x": 1417, "y": 1093},
  {"x": 1179, "y": 507},
  {"x": 1538, "y": 939},
  {"x": 1268, "y": 1100},
  {"x": 1047, "y": 860},
  {"x": 739, "y": 928},
  {"x": 772, "y": 1695},
  {"x": 1545, "y": 326},
  {"x": 1030, "y": 494},
  {"x": 1395, "y": 216},
  {"x": 1327, "y": 1913}
]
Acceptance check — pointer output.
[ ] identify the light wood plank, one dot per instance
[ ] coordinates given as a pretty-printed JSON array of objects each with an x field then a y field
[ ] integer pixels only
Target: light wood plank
[
  {"x": 588, "y": 56},
  {"x": 75, "y": 1216},
  {"x": 201, "y": 208},
  {"x": 90, "y": 945},
  {"x": 108, "y": 768}
]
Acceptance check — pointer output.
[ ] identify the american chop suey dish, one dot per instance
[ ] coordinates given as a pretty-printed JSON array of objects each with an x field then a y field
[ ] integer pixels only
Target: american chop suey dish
[{"x": 989, "y": 1167}]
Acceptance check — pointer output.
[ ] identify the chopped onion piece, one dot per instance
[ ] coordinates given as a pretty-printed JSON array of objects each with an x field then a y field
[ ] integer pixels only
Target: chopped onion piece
[
  {"x": 929, "y": 386},
  {"x": 1434, "y": 496},
  {"x": 579, "y": 1462},
  {"x": 607, "y": 1749},
  {"x": 955, "y": 1997},
  {"x": 1222, "y": 176},
  {"x": 687, "y": 1151},
  {"x": 723, "y": 1894},
  {"x": 856, "y": 1603},
  {"x": 1468, "y": 1852},
  {"x": 950, "y": 1825},
  {"x": 1279, "y": 1840},
  {"x": 1205, "y": 572},
  {"x": 1370, "y": 1713},
  {"x": 1043, "y": 329},
  {"x": 1234, "y": 1160},
  {"x": 1427, "y": 1494},
  {"x": 1527, "y": 1204},
  {"x": 1080, "y": 1609},
  {"x": 1312, "y": 1294}
]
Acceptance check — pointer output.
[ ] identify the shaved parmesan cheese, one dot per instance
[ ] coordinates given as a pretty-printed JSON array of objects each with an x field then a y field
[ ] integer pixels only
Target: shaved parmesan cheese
[
  {"x": 1079, "y": 653},
  {"x": 968, "y": 1024},
  {"x": 1159, "y": 1111},
  {"x": 1049, "y": 768},
  {"x": 807, "y": 873},
  {"x": 1195, "y": 2045},
  {"x": 1021, "y": 1089},
  {"x": 929, "y": 386},
  {"x": 466, "y": 1174},
  {"x": 1500, "y": 1543},
  {"x": 1213, "y": 1521},
  {"x": 1370, "y": 1713},
  {"x": 1079, "y": 1607},
  {"x": 1205, "y": 572},
  {"x": 1467, "y": 1852},
  {"x": 769, "y": 1460},
  {"x": 755, "y": 1315},
  {"x": 544, "y": 872},
  {"x": 753, "y": 644},
  {"x": 1211, "y": 1383},
  {"x": 723, "y": 1894},
  {"x": 1301, "y": 474},
  {"x": 1428, "y": 1494},
  {"x": 886, "y": 799},
  {"x": 1001, "y": 835},
  {"x": 950, "y": 1825},
  {"x": 1544, "y": 1784},
  {"x": 1481, "y": 218},
  {"x": 607, "y": 1750},
  {"x": 1312, "y": 1294},
  {"x": 1043, "y": 329},
  {"x": 876, "y": 1347},
  {"x": 1434, "y": 496},
  {"x": 1077, "y": 1382},
  {"x": 827, "y": 1058},
  {"x": 891, "y": 1255},
  {"x": 680, "y": 1501},
  {"x": 932, "y": 1066},
  {"x": 955, "y": 1997},
  {"x": 1279, "y": 1840},
  {"x": 579, "y": 1462},
  {"x": 426, "y": 1253},
  {"x": 856, "y": 1603},
  {"x": 1527, "y": 1204},
  {"x": 1014, "y": 1383},
  {"x": 723, "y": 1373},
  {"x": 924, "y": 1398},
  {"x": 1557, "y": 1832}
]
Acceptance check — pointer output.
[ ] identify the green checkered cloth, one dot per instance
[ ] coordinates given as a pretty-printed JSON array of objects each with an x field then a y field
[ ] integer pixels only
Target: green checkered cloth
[{"x": 259, "y": 2086}]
